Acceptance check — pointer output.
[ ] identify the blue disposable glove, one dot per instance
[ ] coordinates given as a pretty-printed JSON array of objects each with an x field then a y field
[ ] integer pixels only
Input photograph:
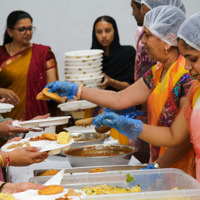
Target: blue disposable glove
[
  {"x": 150, "y": 166},
  {"x": 63, "y": 88},
  {"x": 127, "y": 126},
  {"x": 129, "y": 112}
]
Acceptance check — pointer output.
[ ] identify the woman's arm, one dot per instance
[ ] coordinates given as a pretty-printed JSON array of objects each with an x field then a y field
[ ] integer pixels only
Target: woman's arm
[
  {"x": 108, "y": 81},
  {"x": 135, "y": 94},
  {"x": 167, "y": 136},
  {"x": 173, "y": 154}
]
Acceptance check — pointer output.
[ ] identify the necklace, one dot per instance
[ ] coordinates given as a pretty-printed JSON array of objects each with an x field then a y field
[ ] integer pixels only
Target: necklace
[{"x": 12, "y": 50}]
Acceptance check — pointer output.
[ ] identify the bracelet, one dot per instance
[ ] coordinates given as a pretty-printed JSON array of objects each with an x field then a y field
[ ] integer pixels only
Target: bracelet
[
  {"x": 156, "y": 165},
  {"x": 9, "y": 160},
  {"x": 2, "y": 162},
  {"x": 2, "y": 185},
  {"x": 80, "y": 88}
]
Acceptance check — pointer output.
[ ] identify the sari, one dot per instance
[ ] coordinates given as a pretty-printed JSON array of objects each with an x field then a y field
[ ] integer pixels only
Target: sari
[
  {"x": 192, "y": 115},
  {"x": 25, "y": 74},
  {"x": 163, "y": 107}
]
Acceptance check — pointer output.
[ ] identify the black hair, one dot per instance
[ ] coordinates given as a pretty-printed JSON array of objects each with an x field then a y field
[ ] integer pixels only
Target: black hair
[
  {"x": 115, "y": 44},
  {"x": 137, "y": 4},
  {"x": 12, "y": 19}
]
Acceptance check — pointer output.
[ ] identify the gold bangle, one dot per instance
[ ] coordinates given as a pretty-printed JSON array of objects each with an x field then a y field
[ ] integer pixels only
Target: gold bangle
[
  {"x": 2, "y": 162},
  {"x": 156, "y": 165},
  {"x": 80, "y": 88}
]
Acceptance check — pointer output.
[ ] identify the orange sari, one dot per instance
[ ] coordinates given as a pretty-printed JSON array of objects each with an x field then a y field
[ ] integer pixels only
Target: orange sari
[
  {"x": 162, "y": 93},
  {"x": 25, "y": 74}
]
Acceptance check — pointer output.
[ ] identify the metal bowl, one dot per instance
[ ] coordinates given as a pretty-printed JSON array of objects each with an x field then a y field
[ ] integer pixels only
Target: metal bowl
[
  {"x": 99, "y": 155},
  {"x": 83, "y": 139}
]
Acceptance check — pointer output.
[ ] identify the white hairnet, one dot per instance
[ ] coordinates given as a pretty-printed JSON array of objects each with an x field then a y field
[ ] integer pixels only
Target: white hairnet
[
  {"x": 164, "y": 22},
  {"x": 138, "y": 1},
  {"x": 190, "y": 31},
  {"x": 154, "y": 3}
]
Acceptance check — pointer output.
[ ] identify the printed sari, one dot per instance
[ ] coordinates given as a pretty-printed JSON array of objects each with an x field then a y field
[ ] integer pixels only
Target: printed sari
[
  {"x": 163, "y": 106},
  {"x": 25, "y": 74}
]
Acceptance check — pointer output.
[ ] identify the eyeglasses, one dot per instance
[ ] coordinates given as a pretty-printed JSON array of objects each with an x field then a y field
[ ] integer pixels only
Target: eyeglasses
[{"x": 22, "y": 30}]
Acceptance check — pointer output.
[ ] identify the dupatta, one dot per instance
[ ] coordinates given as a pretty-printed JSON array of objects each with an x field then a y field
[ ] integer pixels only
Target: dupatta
[
  {"x": 162, "y": 91},
  {"x": 192, "y": 115}
]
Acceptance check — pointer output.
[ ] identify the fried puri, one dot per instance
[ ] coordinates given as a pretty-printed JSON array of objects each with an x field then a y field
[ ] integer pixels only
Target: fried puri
[
  {"x": 49, "y": 136},
  {"x": 49, "y": 172},
  {"x": 45, "y": 95},
  {"x": 51, "y": 189}
]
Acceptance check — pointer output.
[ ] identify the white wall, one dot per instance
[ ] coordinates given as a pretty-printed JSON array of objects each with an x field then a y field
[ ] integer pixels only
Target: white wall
[{"x": 66, "y": 25}]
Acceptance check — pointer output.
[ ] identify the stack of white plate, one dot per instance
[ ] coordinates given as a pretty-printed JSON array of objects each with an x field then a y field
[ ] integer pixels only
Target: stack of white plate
[{"x": 84, "y": 67}]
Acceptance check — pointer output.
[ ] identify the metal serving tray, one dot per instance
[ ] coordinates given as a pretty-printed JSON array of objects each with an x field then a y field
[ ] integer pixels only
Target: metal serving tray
[
  {"x": 155, "y": 184},
  {"x": 84, "y": 170}
]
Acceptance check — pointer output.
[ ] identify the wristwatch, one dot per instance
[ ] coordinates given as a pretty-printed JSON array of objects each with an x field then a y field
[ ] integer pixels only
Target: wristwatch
[{"x": 156, "y": 165}]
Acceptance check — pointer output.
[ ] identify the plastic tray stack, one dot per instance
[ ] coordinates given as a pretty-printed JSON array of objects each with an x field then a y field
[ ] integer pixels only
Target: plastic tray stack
[{"x": 84, "y": 67}]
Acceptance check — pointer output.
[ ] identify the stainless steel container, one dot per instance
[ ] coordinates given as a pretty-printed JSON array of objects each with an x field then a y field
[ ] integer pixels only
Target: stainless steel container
[
  {"x": 88, "y": 138},
  {"x": 98, "y": 155}
]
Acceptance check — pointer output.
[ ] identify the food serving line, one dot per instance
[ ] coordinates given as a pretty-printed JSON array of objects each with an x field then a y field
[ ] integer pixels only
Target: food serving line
[{"x": 84, "y": 67}]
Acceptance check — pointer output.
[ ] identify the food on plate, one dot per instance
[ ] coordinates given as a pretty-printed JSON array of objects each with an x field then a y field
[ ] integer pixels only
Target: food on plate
[
  {"x": 36, "y": 138},
  {"x": 88, "y": 121},
  {"x": 49, "y": 136},
  {"x": 45, "y": 95},
  {"x": 98, "y": 169},
  {"x": 109, "y": 189},
  {"x": 49, "y": 172},
  {"x": 84, "y": 122},
  {"x": 12, "y": 146},
  {"x": 64, "y": 198},
  {"x": 6, "y": 196},
  {"x": 72, "y": 192},
  {"x": 45, "y": 136},
  {"x": 51, "y": 189},
  {"x": 64, "y": 137}
]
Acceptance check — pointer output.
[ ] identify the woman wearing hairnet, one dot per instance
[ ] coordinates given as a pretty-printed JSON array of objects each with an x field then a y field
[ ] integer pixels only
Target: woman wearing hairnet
[{"x": 161, "y": 86}]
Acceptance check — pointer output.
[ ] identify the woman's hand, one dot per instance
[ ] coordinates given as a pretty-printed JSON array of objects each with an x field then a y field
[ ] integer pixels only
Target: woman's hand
[
  {"x": 25, "y": 156},
  {"x": 20, "y": 187},
  {"x": 107, "y": 82},
  {"x": 7, "y": 130},
  {"x": 41, "y": 117},
  {"x": 10, "y": 96}
]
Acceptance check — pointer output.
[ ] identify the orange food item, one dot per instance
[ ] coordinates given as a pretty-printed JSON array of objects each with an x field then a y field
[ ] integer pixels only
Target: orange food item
[
  {"x": 71, "y": 192},
  {"x": 45, "y": 95},
  {"x": 98, "y": 169},
  {"x": 49, "y": 136},
  {"x": 49, "y": 172},
  {"x": 51, "y": 189}
]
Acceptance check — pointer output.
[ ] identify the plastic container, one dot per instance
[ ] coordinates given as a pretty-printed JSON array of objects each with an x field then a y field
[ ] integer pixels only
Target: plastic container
[
  {"x": 83, "y": 64},
  {"x": 82, "y": 76},
  {"x": 155, "y": 184}
]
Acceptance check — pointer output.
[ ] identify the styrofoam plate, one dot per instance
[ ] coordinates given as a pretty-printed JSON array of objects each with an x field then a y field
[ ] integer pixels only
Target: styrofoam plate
[
  {"x": 92, "y": 63},
  {"x": 82, "y": 76},
  {"x": 76, "y": 105},
  {"x": 84, "y": 53},
  {"x": 87, "y": 80},
  {"x": 46, "y": 145},
  {"x": 80, "y": 129},
  {"x": 5, "y": 107},
  {"x": 51, "y": 121}
]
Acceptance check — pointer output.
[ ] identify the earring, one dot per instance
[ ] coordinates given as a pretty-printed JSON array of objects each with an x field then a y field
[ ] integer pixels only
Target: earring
[{"x": 166, "y": 51}]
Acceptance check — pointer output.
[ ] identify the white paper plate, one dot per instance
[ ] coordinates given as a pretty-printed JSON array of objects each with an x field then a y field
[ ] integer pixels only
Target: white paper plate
[
  {"x": 82, "y": 76},
  {"x": 87, "y": 80},
  {"x": 5, "y": 107},
  {"x": 88, "y": 61},
  {"x": 33, "y": 195},
  {"x": 84, "y": 53},
  {"x": 81, "y": 64},
  {"x": 51, "y": 121},
  {"x": 80, "y": 129},
  {"x": 76, "y": 105},
  {"x": 46, "y": 145}
]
